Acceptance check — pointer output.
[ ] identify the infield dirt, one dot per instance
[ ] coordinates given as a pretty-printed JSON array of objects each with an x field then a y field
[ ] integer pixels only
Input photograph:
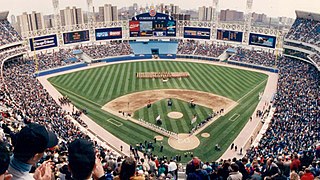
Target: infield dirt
[{"x": 134, "y": 101}]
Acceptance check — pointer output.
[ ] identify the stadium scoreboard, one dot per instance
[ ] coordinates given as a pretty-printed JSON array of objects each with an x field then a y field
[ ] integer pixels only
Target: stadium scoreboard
[
  {"x": 152, "y": 24},
  {"x": 262, "y": 40},
  {"x": 108, "y": 33},
  {"x": 195, "y": 32},
  {"x": 43, "y": 42},
  {"x": 75, "y": 37},
  {"x": 227, "y": 35}
]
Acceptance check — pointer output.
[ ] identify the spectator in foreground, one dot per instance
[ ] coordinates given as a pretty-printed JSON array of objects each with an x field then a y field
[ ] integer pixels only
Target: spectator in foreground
[
  {"x": 235, "y": 174},
  {"x": 4, "y": 161},
  {"x": 83, "y": 162},
  {"x": 30, "y": 145},
  {"x": 194, "y": 170},
  {"x": 128, "y": 170},
  {"x": 307, "y": 175}
]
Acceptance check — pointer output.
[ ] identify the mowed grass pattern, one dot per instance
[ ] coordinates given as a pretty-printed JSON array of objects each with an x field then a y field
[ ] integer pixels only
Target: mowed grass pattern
[
  {"x": 181, "y": 125},
  {"x": 92, "y": 88}
]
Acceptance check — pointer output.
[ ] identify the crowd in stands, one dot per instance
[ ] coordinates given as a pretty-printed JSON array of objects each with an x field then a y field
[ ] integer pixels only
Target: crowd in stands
[
  {"x": 52, "y": 59},
  {"x": 210, "y": 50},
  {"x": 191, "y": 47},
  {"x": 114, "y": 48},
  {"x": 295, "y": 124},
  {"x": 187, "y": 47},
  {"x": 7, "y": 33},
  {"x": 305, "y": 30},
  {"x": 254, "y": 57}
]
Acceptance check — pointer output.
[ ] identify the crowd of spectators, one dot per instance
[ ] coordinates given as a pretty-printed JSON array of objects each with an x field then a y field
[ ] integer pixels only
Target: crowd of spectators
[
  {"x": 7, "y": 33},
  {"x": 254, "y": 57},
  {"x": 52, "y": 59},
  {"x": 114, "y": 48},
  {"x": 305, "y": 30},
  {"x": 294, "y": 128},
  {"x": 279, "y": 168},
  {"x": 210, "y": 50},
  {"x": 187, "y": 47}
]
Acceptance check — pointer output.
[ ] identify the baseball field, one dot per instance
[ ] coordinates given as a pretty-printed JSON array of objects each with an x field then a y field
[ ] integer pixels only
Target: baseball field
[{"x": 106, "y": 91}]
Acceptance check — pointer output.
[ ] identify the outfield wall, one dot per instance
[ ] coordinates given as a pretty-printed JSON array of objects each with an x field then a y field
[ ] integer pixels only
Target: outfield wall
[
  {"x": 163, "y": 47},
  {"x": 60, "y": 69},
  {"x": 132, "y": 58},
  {"x": 264, "y": 68}
]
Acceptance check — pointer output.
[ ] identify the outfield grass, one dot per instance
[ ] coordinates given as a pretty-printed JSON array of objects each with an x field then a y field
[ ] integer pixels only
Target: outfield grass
[
  {"x": 181, "y": 125},
  {"x": 93, "y": 88}
]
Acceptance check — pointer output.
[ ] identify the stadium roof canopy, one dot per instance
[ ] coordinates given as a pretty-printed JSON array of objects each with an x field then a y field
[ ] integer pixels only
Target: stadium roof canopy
[
  {"x": 4, "y": 15},
  {"x": 308, "y": 15}
]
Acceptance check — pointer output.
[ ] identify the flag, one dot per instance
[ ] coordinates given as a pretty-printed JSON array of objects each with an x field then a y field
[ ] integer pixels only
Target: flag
[
  {"x": 158, "y": 118},
  {"x": 194, "y": 119}
]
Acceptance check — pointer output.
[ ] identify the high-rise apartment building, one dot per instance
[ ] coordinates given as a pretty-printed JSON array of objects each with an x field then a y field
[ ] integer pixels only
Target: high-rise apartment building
[
  {"x": 205, "y": 13},
  {"x": 30, "y": 22},
  {"x": 231, "y": 15},
  {"x": 108, "y": 13},
  {"x": 71, "y": 16}
]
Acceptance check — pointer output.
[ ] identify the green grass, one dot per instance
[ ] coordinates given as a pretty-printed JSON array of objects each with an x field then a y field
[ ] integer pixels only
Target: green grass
[
  {"x": 92, "y": 88},
  {"x": 181, "y": 125}
]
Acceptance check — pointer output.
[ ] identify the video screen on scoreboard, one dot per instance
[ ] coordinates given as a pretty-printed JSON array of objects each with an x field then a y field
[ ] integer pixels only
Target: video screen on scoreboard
[
  {"x": 134, "y": 28},
  {"x": 199, "y": 33},
  {"x": 146, "y": 28},
  {"x": 159, "y": 26},
  {"x": 108, "y": 33},
  {"x": 76, "y": 36},
  {"x": 171, "y": 28},
  {"x": 262, "y": 40},
  {"x": 152, "y": 24},
  {"x": 43, "y": 42},
  {"x": 227, "y": 35}
]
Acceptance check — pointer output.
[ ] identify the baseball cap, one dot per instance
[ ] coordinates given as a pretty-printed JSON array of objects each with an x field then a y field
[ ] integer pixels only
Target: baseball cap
[
  {"x": 196, "y": 161},
  {"x": 81, "y": 158},
  {"x": 4, "y": 158},
  {"x": 34, "y": 138}
]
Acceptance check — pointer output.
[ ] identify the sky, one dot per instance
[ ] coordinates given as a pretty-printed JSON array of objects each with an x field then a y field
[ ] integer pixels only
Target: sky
[{"x": 273, "y": 8}]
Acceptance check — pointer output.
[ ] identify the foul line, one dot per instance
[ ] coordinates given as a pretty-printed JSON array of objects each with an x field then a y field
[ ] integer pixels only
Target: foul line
[
  {"x": 114, "y": 122},
  {"x": 236, "y": 117},
  {"x": 81, "y": 97},
  {"x": 251, "y": 90}
]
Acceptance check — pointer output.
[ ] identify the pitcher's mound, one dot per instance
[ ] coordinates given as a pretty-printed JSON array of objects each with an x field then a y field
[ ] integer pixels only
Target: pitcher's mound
[
  {"x": 175, "y": 115},
  {"x": 184, "y": 142},
  {"x": 159, "y": 138}
]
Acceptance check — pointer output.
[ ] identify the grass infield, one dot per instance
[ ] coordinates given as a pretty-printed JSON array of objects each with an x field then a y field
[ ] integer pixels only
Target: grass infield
[
  {"x": 181, "y": 125},
  {"x": 93, "y": 88}
]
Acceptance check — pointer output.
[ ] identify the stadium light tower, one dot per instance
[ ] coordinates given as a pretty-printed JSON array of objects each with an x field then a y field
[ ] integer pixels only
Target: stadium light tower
[
  {"x": 90, "y": 11},
  {"x": 91, "y": 19},
  {"x": 56, "y": 14},
  {"x": 248, "y": 20},
  {"x": 215, "y": 18}
]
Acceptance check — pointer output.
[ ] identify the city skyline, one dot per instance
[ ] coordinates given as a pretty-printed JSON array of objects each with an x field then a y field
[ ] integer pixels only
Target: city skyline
[{"x": 272, "y": 8}]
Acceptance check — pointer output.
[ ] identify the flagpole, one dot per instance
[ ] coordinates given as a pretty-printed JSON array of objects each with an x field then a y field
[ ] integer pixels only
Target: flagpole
[{"x": 35, "y": 57}]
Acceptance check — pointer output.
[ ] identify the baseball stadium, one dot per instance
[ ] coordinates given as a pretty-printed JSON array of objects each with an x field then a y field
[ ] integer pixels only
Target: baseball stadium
[{"x": 152, "y": 93}]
